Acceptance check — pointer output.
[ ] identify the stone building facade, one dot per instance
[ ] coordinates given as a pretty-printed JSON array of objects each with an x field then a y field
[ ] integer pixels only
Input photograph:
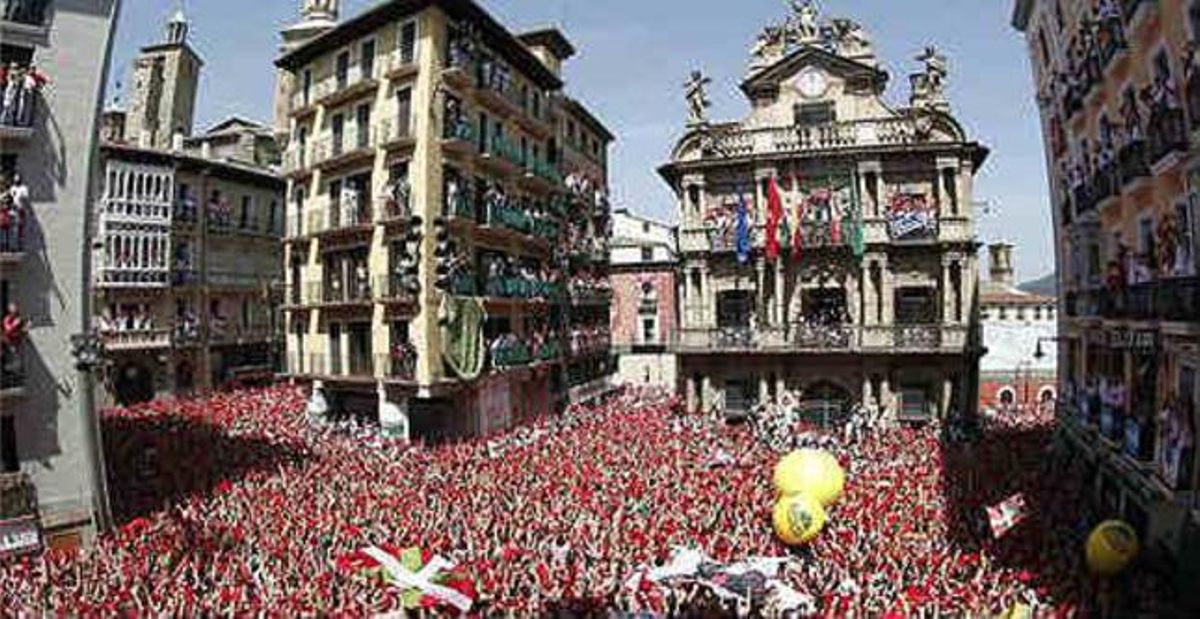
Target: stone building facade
[
  {"x": 186, "y": 243},
  {"x": 52, "y": 484},
  {"x": 1018, "y": 371},
  {"x": 860, "y": 288},
  {"x": 644, "y": 310},
  {"x": 447, "y": 218},
  {"x": 1118, "y": 90}
]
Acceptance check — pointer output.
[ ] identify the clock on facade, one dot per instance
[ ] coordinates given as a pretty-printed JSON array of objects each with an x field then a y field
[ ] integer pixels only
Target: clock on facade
[{"x": 811, "y": 83}]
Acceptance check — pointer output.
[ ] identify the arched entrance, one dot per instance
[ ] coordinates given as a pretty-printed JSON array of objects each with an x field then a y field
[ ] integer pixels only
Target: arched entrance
[
  {"x": 825, "y": 404},
  {"x": 133, "y": 384}
]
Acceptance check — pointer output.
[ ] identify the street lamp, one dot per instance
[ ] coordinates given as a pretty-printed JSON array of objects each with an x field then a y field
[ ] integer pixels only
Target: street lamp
[{"x": 1040, "y": 354}]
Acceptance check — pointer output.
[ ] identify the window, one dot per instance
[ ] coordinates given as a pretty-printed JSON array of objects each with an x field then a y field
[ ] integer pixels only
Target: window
[
  {"x": 337, "y": 126},
  {"x": 366, "y": 59},
  {"x": 646, "y": 227},
  {"x": 1002, "y": 313},
  {"x": 408, "y": 42},
  {"x": 815, "y": 113},
  {"x": 342, "y": 69},
  {"x": 403, "y": 111},
  {"x": 914, "y": 402},
  {"x": 1146, "y": 236},
  {"x": 483, "y": 132},
  {"x": 362, "y": 119},
  {"x": 247, "y": 206},
  {"x": 307, "y": 86},
  {"x": 649, "y": 332},
  {"x": 647, "y": 254}
]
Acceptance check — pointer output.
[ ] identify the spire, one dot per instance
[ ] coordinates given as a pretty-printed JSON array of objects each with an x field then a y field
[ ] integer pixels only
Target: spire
[{"x": 177, "y": 27}]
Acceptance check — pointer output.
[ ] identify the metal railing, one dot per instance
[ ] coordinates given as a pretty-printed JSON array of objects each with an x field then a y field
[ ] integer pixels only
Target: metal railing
[
  {"x": 397, "y": 366},
  {"x": 136, "y": 339}
]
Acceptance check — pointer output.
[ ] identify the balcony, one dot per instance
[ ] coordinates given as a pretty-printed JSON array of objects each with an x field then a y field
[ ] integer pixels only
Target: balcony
[
  {"x": 494, "y": 89},
  {"x": 503, "y": 156},
  {"x": 349, "y": 218},
  {"x": 297, "y": 161},
  {"x": 135, "y": 339},
  {"x": 398, "y": 367},
  {"x": 335, "y": 292},
  {"x": 18, "y": 497},
  {"x": 12, "y": 372},
  {"x": 458, "y": 205},
  {"x": 1083, "y": 198},
  {"x": 506, "y": 352},
  {"x": 223, "y": 334},
  {"x": 396, "y": 289},
  {"x": 1167, "y": 132},
  {"x": 399, "y": 65},
  {"x": 1083, "y": 304},
  {"x": 512, "y": 287},
  {"x": 1168, "y": 299},
  {"x": 132, "y": 277},
  {"x": 395, "y": 135},
  {"x": 12, "y": 245},
  {"x": 29, "y": 14},
  {"x": 1132, "y": 160},
  {"x": 353, "y": 84},
  {"x": 803, "y": 338},
  {"x": 17, "y": 124},
  {"x": 732, "y": 142},
  {"x": 1106, "y": 183},
  {"x": 590, "y": 295},
  {"x": 335, "y": 152},
  {"x": 540, "y": 174}
]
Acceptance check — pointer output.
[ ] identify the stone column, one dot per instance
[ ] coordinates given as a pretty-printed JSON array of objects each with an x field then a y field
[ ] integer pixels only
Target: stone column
[
  {"x": 947, "y": 391},
  {"x": 780, "y": 382},
  {"x": 886, "y": 294},
  {"x": 760, "y": 268},
  {"x": 870, "y": 198},
  {"x": 705, "y": 318},
  {"x": 885, "y": 396},
  {"x": 764, "y": 388},
  {"x": 690, "y": 396},
  {"x": 780, "y": 318},
  {"x": 706, "y": 394}
]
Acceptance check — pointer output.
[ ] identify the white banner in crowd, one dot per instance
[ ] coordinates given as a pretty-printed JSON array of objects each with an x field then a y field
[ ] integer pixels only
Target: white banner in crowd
[{"x": 422, "y": 580}]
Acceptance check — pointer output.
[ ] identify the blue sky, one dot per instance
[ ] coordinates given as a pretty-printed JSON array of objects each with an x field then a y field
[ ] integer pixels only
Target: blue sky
[{"x": 635, "y": 54}]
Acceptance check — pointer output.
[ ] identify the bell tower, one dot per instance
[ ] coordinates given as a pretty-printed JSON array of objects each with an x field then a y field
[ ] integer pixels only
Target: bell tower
[
  {"x": 166, "y": 77},
  {"x": 316, "y": 18}
]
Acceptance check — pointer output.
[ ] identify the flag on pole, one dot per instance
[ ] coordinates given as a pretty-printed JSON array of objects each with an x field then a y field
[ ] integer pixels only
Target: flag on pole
[
  {"x": 1006, "y": 514},
  {"x": 741, "y": 231},
  {"x": 798, "y": 232},
  {"x": 774, "y": 214}
]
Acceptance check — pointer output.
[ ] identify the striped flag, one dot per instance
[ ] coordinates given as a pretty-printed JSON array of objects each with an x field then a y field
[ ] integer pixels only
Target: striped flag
[{"x": 1006, "y": 514}]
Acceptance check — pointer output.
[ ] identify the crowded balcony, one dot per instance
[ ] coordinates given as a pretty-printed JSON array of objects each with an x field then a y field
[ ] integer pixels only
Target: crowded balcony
[
  {"x": 589, "y": 289},
  {"x": 20, "y": 101},
  {"x": 1167, "y": 131},
  {"x": 508, "y": 351},
  {"x": 349, "y": 290},
  {"x": 590, "y": 340},
  {"x": 397, "y": 287},
  {"x": 395, "y": 205},
  {"x": 1168, "y": 298},
  {"x": 131, "y": 327},
  {"x": 1106, "y": 181},
  {"x": 819, "y": 338},
  {"x": 1132, "y": 160},
  {"x": 349, "y": 212},
  {"x": 399, "y": 365},
  {"x": 184, "y": 212},
  {"x": 30, "y": 13},
  {"x": 458, "y": 133}
]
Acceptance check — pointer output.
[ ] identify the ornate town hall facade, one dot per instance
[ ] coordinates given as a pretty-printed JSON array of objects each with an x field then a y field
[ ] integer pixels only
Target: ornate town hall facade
[{"x": 826, "y": 241}]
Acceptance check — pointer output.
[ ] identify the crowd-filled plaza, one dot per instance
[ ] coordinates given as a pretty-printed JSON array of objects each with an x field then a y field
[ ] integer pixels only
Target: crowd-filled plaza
[{"x": 242, "y": 504}]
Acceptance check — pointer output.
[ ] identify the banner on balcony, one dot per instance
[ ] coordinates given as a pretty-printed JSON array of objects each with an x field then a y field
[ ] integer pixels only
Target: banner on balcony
[
  {"x": 909, "y": 214},
  {"x": 19, "y": 536},
  {"x": 463, "y": 349},
  {"x": 1006, "y": 514},
  {"x": 495, "y": 405}
]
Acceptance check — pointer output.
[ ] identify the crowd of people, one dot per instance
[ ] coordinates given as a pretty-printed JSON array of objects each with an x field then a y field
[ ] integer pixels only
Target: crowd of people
[
  {"x": 19, "y": 88},
  {"x": 240, "y": 505}
]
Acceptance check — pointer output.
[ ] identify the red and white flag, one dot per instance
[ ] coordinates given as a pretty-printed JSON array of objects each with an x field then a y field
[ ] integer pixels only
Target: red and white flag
[{"x": 1006, "y": 514}]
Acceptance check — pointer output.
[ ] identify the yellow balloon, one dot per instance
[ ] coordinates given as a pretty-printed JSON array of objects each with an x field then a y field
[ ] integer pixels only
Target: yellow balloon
[
  {"x": 811, "y": 471},
  {"x": 1110, "y": 547},
  {"x": 798, "y": 518}
]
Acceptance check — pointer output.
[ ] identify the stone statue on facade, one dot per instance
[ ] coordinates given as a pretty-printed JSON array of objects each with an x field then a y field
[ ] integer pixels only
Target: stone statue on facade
[
  {"x": 850, "y": 39},
  {"x": 316, "y": 9},
  {"x": 804, "y": 27},
  {"x": 929, "y": 86},
  {"x": 697, "y": 98},
  {"x": 769, "y": 48}
]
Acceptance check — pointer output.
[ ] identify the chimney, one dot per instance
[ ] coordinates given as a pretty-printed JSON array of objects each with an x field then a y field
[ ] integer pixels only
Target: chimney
[{"x": 1000, "y": 259}]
